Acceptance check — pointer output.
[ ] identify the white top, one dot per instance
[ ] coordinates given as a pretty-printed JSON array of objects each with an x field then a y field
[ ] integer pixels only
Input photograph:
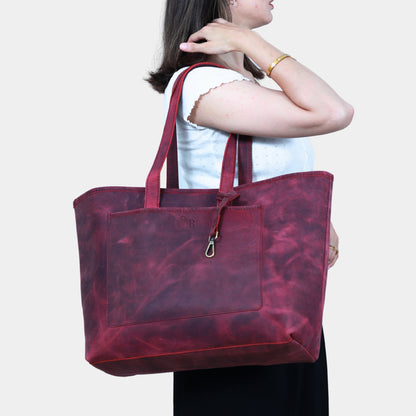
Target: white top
[{"x": 201, "y": 149}]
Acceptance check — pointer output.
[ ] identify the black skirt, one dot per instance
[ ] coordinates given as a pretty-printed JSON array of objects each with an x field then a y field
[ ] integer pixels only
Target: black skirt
[{"x": 278, "y": 390}]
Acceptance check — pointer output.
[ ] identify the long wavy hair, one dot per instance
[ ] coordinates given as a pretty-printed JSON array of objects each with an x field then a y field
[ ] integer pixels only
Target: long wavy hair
[{"x": 182, "y": 18}]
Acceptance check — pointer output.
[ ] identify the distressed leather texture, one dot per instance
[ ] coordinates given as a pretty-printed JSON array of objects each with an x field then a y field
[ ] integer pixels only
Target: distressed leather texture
[
  {"x": 153, "y": 302},
  {"x": 152, "y": 282}
]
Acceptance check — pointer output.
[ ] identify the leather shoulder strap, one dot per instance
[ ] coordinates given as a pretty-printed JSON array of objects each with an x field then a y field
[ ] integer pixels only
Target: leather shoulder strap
[{"x": 245, "y": 164}]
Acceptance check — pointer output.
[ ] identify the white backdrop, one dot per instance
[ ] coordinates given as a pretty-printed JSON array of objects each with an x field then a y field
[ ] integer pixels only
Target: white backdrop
[{"x": 75, "y": 113}]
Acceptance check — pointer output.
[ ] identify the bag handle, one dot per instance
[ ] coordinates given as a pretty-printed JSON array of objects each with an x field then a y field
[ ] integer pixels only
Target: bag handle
[
  {"x": 245, "y": 162},
  {"x": 245, "y": 159},
  {"x": 152, "y": 191}
]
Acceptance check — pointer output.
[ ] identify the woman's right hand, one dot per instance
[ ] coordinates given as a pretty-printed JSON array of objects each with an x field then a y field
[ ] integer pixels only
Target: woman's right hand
[{"x": 220, "y": 37}]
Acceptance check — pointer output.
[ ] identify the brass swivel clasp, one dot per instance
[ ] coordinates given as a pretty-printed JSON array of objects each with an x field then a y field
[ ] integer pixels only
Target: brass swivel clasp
[{"x": 210, "y": 251}]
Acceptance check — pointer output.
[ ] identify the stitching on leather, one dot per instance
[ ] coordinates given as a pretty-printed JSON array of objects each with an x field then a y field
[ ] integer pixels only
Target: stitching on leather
[
  {"x": 201, "y": 350},
  {"x": 98, "y": 190}
]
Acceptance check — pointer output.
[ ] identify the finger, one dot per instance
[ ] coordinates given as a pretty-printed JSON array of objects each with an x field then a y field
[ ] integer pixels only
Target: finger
[
  {"x": 221, "y": 20},
  {"x": 333, "y": 248},
  {"x": 332, "y": 260},
  {"x": 197, "y": 36},
  {"x": 332, "y": 255},
  {"x": 193, "y": 47}
]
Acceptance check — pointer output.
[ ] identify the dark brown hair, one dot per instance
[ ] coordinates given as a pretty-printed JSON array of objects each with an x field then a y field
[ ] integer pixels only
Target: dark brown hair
[{"x": 182, "y": 18}]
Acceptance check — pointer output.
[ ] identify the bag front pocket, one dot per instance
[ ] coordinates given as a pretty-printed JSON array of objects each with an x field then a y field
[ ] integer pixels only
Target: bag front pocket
[{"x": 157, "y": 269}]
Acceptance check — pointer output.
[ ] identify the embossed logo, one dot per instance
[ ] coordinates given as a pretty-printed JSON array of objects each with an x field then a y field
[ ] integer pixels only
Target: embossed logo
[{"x": 185, "y": 222}]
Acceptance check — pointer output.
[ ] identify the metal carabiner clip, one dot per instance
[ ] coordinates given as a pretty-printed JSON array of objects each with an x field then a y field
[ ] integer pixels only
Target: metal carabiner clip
[{"x": 210, "y": 251}]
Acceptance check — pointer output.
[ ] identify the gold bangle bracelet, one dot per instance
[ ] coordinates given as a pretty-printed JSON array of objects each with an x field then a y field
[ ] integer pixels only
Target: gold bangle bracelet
[{"x": 275, "y": 62}]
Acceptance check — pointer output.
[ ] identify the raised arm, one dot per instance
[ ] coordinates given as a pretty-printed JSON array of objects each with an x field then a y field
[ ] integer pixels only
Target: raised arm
[{"x": 306, "y": 106}]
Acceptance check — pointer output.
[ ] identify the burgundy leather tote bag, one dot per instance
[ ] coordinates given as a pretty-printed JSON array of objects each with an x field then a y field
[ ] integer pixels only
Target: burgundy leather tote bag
[{"x": 182, "y": 279}]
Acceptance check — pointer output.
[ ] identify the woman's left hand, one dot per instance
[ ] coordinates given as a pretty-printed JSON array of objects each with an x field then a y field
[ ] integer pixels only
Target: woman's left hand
[{"x": 333, "y": 247}]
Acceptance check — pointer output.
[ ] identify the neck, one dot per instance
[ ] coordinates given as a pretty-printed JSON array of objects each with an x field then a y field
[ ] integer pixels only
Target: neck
[{"x": 233, "y": 60}]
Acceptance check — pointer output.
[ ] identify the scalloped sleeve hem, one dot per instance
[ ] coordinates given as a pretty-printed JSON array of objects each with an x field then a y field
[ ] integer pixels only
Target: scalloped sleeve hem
[{"x": 201, "y": 81}]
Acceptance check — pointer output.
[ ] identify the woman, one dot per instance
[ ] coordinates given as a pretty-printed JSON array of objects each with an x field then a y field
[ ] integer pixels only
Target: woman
[{"x": 213, "y": 103}]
